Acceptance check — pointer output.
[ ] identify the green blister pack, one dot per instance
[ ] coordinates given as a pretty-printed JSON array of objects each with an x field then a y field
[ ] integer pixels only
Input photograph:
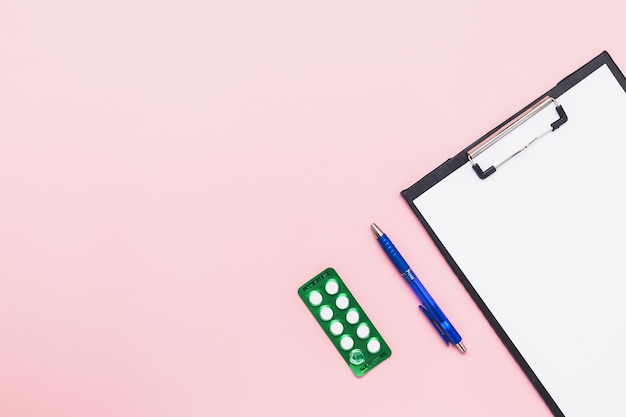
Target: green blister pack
[{"x": 344, "y": 321}]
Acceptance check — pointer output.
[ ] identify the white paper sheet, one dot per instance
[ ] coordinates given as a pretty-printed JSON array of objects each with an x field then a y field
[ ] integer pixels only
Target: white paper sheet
[{"x": 542, "y": 242}]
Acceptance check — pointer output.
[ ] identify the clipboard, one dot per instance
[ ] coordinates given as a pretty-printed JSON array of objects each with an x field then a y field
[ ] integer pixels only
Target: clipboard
[{"x": 531, "y": 217}]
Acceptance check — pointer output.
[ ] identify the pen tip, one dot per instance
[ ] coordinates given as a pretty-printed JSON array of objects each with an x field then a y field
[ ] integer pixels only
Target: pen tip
[
  {"x": 461, "y": 347},
  {"x": 377, "y": 231}
]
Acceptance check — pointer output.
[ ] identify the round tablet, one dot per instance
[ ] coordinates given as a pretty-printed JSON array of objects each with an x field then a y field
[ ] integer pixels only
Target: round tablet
[
  {"x": 326, "y": 313},
  {"x": 342, "y": 302},
  {"x": 315, "y": 298},
  {"x": 331, "y": 287},
  {"x": 352, "y": 317},
  {"x": 363, "y": 331},
  {"x": 373, "y": 346},
  {"x": 336, "y": 328},
  {"x": 346, "y": 342}
]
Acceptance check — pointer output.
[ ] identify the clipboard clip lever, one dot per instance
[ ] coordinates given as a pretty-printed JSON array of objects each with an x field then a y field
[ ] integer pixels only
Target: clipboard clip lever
[{"x": 508, "y": 128}]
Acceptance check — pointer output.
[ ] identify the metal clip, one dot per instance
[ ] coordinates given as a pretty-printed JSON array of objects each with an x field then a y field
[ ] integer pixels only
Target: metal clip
[{"x": 508, "y": 128}]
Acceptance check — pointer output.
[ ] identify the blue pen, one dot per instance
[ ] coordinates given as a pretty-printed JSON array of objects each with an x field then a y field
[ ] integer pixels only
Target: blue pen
[{"x": 429, "y": 307}]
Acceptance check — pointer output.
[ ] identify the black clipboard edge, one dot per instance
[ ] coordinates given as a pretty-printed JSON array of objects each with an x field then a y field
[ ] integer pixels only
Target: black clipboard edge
[{"x": 454, "y": 163}]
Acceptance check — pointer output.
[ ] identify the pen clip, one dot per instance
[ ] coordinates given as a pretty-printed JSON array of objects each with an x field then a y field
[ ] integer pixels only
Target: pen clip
[{"x": 434, "y": 323}]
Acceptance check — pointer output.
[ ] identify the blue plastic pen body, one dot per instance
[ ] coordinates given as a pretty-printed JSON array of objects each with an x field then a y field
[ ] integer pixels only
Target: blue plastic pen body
[
  {"x": 434, "y": 313},
  {"x": 430, "y": 307}
]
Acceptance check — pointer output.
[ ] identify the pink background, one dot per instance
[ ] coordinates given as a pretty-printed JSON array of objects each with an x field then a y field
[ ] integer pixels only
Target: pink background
[{"x": 172, "y": 171}]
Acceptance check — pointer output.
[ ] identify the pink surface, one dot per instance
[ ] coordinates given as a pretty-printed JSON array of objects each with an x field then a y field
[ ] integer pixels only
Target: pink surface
[{"x": 172, "y": 171}]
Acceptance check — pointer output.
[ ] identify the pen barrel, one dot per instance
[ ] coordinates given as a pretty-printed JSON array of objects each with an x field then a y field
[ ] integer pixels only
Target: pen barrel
[
  {"x": 420, "y": 291},
  {"x": 433, "y": 311},
  {"x": 393, "y": 254}
]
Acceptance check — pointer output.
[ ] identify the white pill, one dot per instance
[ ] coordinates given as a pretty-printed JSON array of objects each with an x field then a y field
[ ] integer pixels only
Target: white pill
[
  {"x": 352, "y": 317},
  {"x": 331, "y": 287},
  {"x": 326, "y": 313},
  {"x": 315, "y": 298},
  {"x": 336, "y": 328},
  {"x": 363, "y": 331},
  {"x": 342, "y": 302},
  {"x": 373, "y": 346},
  {"x": 346, "y": 343}
]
